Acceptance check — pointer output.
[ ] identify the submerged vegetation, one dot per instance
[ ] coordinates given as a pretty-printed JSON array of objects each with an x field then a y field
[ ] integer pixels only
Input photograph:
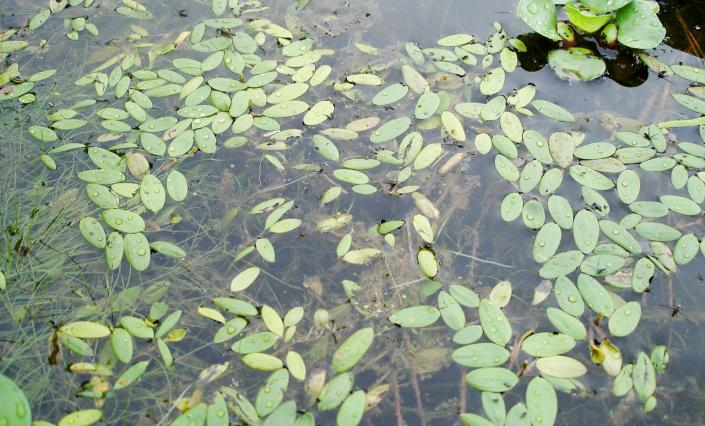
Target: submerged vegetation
[{"x": 227, "y": 223}]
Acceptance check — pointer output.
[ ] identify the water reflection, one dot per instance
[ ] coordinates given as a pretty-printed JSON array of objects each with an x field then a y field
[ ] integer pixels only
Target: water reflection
[{"x": 623, "y": 64}]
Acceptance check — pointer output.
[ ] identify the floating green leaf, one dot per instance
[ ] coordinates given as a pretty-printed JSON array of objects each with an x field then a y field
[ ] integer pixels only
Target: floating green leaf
[
  {"x": 576, "y": 65},
  {"x": 451, "y": 312},
  {"x": 595, "y": 295},
  {"x": 547, "y": 344},
  {"x": 123, "y": 220},
  {"x": 638, "y": 25},
  {"x": 541, "y": 402},
  {"x": 121, "y": 344},
  {"x": 625, "y": 319},
  {"x": 262, "y": 362},
  {"x": 644, "y": 376},
  {"x": 494, "y": 323},
  {"x": 415, "y": 316},
  {"x": 137, "y": 251},
  {"x": 335, "y": 391},
  {"x": 540, "y": 15},
  {"x": 244, "y": 279},
  {"x": 82, "y": 418},
  {"x": 136, "y": 327},
  {"x": 566, "y": 323},
  {"x": 560, "y": 366},
  {"x": 480, "y": 355},
  {"x": 492, "y": 379}
]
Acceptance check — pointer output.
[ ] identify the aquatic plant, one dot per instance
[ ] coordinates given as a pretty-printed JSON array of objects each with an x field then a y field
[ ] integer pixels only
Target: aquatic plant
[
  {"x": 241, "y": 86},
  {"x": 630, "y": 23}
]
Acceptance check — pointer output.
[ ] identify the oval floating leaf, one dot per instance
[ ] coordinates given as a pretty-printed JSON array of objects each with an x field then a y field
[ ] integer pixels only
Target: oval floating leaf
[
  {"x": 415, "y": 316},
  {"x": 352, "y": 350},
  {"x": 492, "y": 379},
  {"x": 244, "y": 279},
  {"x": 561, "y": 367},
  {"x": 625, "y": 319}
]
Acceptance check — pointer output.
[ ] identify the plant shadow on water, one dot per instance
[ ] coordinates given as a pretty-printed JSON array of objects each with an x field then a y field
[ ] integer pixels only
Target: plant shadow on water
[{"x": 428, "y": 250}]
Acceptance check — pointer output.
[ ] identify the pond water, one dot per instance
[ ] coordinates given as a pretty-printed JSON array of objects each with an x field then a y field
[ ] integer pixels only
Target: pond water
[{"x": 279, "y": 228}]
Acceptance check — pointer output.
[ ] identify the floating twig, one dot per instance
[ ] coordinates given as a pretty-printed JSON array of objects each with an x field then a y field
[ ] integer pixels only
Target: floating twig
[{"x": 481, "y": 260}]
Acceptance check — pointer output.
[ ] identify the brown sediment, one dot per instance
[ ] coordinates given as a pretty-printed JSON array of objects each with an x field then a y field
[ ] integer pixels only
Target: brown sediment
[
  {"x": 415, "y": 385},
  {"x": 397, "y": 398}
]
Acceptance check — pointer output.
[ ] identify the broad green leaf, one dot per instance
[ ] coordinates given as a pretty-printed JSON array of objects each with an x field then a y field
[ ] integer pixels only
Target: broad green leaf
[
  {"x": 114, "y": 250},
  {"x": 262, "y": 362},
  {"x": 494, "y": 323},
  {"x": 480, "y": 355},
  {"x": 390, "y": 130},
  {"x": 92, "y": 231},
  {"x": 644, "y": 377},
  {"x": 136, "y": 327},
  {"x": 625, "y": 319},
  {"x": 416, "y": 316},
  {"x": 576, "y": 65},
  {"x": 244, "y": 279},
  {"x": 540, "y": 15},
  {"x": 468, "y": 335},
  {"x": 541, "y": 402},
  {"x": 352, "y": 409},
  {"x": 464, "y": 295},
  {"x": 639, "y": 26},
  {"x": 533, "y": 214},
  {"x": 415, "y": 81},
  {"x": 229, "y": 330},
  {"x": 451, "y": 312},
  {"x": 335, "y": 391},
  {"x": 81, "y": 418},
  {"x": 152, "y": 193},
  {"x": 586, "y": 231},
  {"x": 623, "y": 382},
  {"x": 568, "y": 296},
  {"x": 123, "y": 220},
  {"x": 547, "y": 344},
  {"x": 494, "y": 408},
  {"x": 427, "y": 105},
  {"x": 295, "y": 364},
  {"x": 566, "y": 323},
  {"x": 560, "y": 366},
  {"x": 585, "y": 20},
  {"x": 561, "y": 264},
  {"x": 428, "y": 264},
  {"x": 85, "y": 330},
  {"x": 551, "y": 110},
  {"x": 121, "y": 345},
  {"x": 654, "y": 231},
  {"x": 492, "y": 379},
  {"x": 546, "y": 242},
  {"x": 137, "y": 251},
  {"x": 269, "y": 396},
  {"x": 168, "y": 249},
  {"x": 390, "y": 94},
  {"x": 595, "y": 295},
  {"x": 256, "y": 342},
  {"x": 685, "y": 249}
]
